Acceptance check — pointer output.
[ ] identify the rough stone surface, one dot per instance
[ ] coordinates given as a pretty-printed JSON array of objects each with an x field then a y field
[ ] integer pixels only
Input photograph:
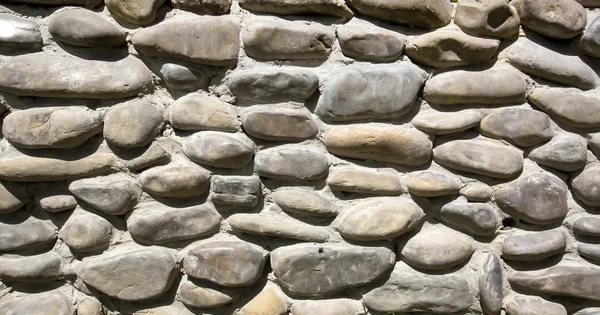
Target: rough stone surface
[
  {"x": 219, "y": 149},
  {"x": 235, "y": 190},
  {"x": 424, "y": 14},
  {"x": 563, "y": 280},
  {"x": 18, "y": 32},
  {"x": 574, "y": 109},
  {"x": 202, "y": 112},
  {"x": 140, "y": 12},
  {"x": 47, "y": 303},
  {"x": 193, "y": 295},
  {"x": 86, "y": 232},
  {"x": 565, "y": 152},
  {"x": 534, "y": 246},
  {"x": 280, "y": 125},
  {"x": 370, "y": 43},
  {"x": 587, "y": 226},
  {"x": 131, "y": 125},
  {"x": 590, "y": 41},
  {"x": 291, "y": 162},
  {"x": 273, "y": 85},
  {"x": 491, "y": 284},
  {"x": 257, "y": 224},
  {"x": 494, "y": 18},
  {"x": 556, "y": 18},
  {"x": 38, "y": 268},
  {"x": 175, "y": 181},
  {"x": 28, "y": 234},
  {"x": 113, "y": 194},
  {"x": 525, "y": 127},
  {"x": 532, "y": 305},
  {"x": 433, "y": 184},
  {"x": 365, "y": 181},
  {"x": 81, "y": 27},
  {"x": 203, "y": 6},
  {"x": 302, "y": 201},
  {"x": 293, "y": 7},
  {"x": 585, "y": 185},
  {"x": 473, "y": 218},
  {"x": 443, "y": 123}
]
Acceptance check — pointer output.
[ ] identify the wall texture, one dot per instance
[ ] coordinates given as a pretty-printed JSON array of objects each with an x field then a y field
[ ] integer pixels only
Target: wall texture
[{"x": 305, "y": 157}]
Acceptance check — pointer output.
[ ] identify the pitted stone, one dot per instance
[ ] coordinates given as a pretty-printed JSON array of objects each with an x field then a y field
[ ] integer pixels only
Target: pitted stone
[
  {"x": 235, "y": 190},
  {"x": 495, "y": 18}
]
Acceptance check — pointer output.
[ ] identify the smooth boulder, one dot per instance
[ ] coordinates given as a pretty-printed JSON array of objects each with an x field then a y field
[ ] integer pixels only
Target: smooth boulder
[
  {"x": 442, "y": 123},
  {"x": 257, "y": 224},
  {"x": 365, "y": 181},
  {"x": 139, "y": 12},
  {"x": 243, "y": 191},
  {"x": 534, "y": 246},
  {"x": 427, "y": 14},
  {"x": 590, "y": 41},
  {"x": 86, "y": 232},
  {"x": 113, "y": 194},
  {"x": 577, "y": 281},
  {"x": 197, "y": 111},
  {"x": 565, "y": 152},
  {"x": 433, "y": 184},
  {"x": 569, "y": 107},
  {"x": 302, "y": 201},
  {"x": 219, "y": 149},
  {"x": 370, "y": 43},
  {"x": 80, "y": 27},
  {"x": 490, "y": 283},
  {"x": 532, "y": 305},
  {"x": 585, "y": 185},
  {"x": 522, "y": 126},
  {"x": 46, "y": 303},
  {"x": 18, "y": 32},
  {"x": 560, "y": 19},
  {"x": 214, "y": 7},
  {"x": 273, "y": 85},
  {"x": 292, "y": 163},
  {"x": 280, "y": 125},
  {"x": 474, "y": 218},
  {"x": 336, "y": 8},
  {"x": 132, "y": 125},
  {"x": 174, "y": 181}
]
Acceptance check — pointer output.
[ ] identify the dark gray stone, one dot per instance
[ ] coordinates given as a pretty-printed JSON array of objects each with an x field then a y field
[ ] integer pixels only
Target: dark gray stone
[
  {"x": 280, "y": 124},
  {"x": 490, "y": 284},
  {"x": 203, "y": 6},
  {"x": 474, "y": 218},
  {"x": 181, "y": 77},
  {"x": 81, "y": 27},
  {"x": 522, "y": 126},
  {"x": 273, "y": 85},
  {"x": 534, "y": 246},
  {"x": 235, "y": 190},
  {"x": 291, "y": 162},
  {"x": 219, "y": 149}
]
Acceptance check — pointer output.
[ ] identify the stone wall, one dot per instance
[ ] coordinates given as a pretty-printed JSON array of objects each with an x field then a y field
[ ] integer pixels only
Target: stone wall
[{"x": 305, "y": 157}]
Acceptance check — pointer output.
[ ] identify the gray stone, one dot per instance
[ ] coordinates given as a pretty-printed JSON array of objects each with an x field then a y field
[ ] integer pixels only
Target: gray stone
[
  {"x": 56, "y": 202},
  {"x": 192, "y": 34},
  {"x": 44, "y": 75},
  {"x": 180, "y": 77},
  {"x": 477, "y": 191},
  {"x": 257, "y": 224},
  {"x": 443, "y": 49},
  {"x": 51, "y": 127},
  {"x": 522, "y": 126},
  {"x": 140, "y": 12},
  {"x": 546, "y": 63},
  {"x": 589, "y": 251},
  {"x": 113, "y": 194},
  {"x": 370, "y": 42},
  {"x": 562, "y": 280},
  {"x": 292, "y": 163},
  {"x": 219, "y": 149},
  {"x": 202, "y": 112},
  {"x": 86, "y": 232},
  {"x": 139, "y": 158},
  {"x": 594, "y": 143},
  {"x": 532, "y": 305},
  {"x": 443, "y": 123},
  {"x": 490, "y": 283},
  {"x": 327, "y": 307},
  {"x": 471, "y": 87},
  {"x": 473, "y": 218},
  {"x": 27, "y": 234},
  {"x": 405, "y": 292},
  {"x": 131, "y": 125},
  {"x": 391, "y": 144},
  {"x": 88, "y": 305},
  {"x": 205, "y": 296},
  {"x": 534, "y": 246},
  {"x": 565, "y": 152},
  {"x": 241, "y": 191},
  {"x": 61, "y": 2},
  {"x": 366, "y": 181},
  {"x": 280, "y": 125},
  {"x": 588, "y": 310},
  {"x": 293, "y": 7},
  {"x": 17, "y": 32},
  {"x": 585, "y": 185},
  {"x": 437, "y": 248},
  {"x": 273, "y": 85},
  {"x": 380, "y": 219},
  {"x": 555, "y": 18},
  {"x": 12, "y": 197},
  {"x": 574, "y": 109},
  {"x": 228, "y": 263},
  {"x": 268, "y": 301},
  {"x": 131, "y": 276},
  {"x": 494, "y": 18},
  {"x": 203, "y": 6},
  {"x": 590, "y": 41},
  {"x": 81, "y": 27},
  {"x": 47, "y": 303},
  {"x": 587, "y": 226},
  {"x": 175, "y": 181},
  {"x": 539, "y": 198},
  {"x": 287, "y": 40},
  {"x": 333, "y": 267},
  {"x": 426, "y": 14},
  {"x": 433, "y": 184},
  {"x": 302, "y": 201},
  {"x": 155, "y": 223},
  {"x": 480, "y": 156},
  {"x": 37, "y": 268},
  {"x": 375, "y": 91}
]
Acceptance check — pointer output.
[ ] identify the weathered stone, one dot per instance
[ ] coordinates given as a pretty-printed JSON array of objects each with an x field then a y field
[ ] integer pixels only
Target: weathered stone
[
  {"x": 113, "y": 194},
  {"x": 131, "y": 125},
  {"x": 54, "y": 76},
  {"x": 332, "y": 267},
  {"x": 477, "y": 191},
  {"x": 131, "y": 276},
  {"x": 227, "y": 263},
  {"x": 82, "y": 27},
  {"x": 587, "y": 226},
  {"x": 574, "y": 109},
  {"x": 370, "y": 42},
  {"x": 140, "y": 12},
  {"x": 437, "y": 248},
  {"x": 405, "y": 292},
  {"x": 273, "y": 85},
  {"x": 565, "y": 152},
  {"x": 534, "y": 246},
  {"x": 327, "y": 307},
  {"x": 590, "y": 41},
  {"x": 203, "y": 6},
  {"x": 202, "y": 112},
  {"x": 556, "y": 18},
  {"x": 494, "y": 18},
  {"x": 291, "y": 162},
  {"x": 380, "y": 219},
  {"x": 537, "y": 60},
  {"x": 302, "y": 201},
  {"x": 155, "y": 223},
  {"x": 235, "y": 190},
  {"x": 588, "y": 310},
  {"x": 594, "y": 143},
  {"x": 490, "y": 284},
  {"x": 589, "y": 251},
  {"x": 12, "y": 197},
  {"x": 51, "y": 127},
  {"x": 86, "y": 232},
  {"x": 280, "y": 125},
  {"x": 181, "y": 77},
  {"x": 366, "y": 181},
  {"x": 204, "y": 296},
  {"x": 56, "y": 202},
  {"x": 262, "y": 225},
  {"x": 192, "y": 35},
  {"x": 532, "y": 305},
  {"x": 443, "y": 49},
  {"x": 424, "y": 14},
  {"x": 293, "y": 7},
  {"x": 17, "y": 32},
  {"x": 88, "y": 305},
  {"x": 433, "y": 184},
  {"x": 480, "y": 156},
  {"x": 539, "y": 198},
  {"x": 280, "y": 39},
  {"x": 522, "y": 126},
  {"x": 175, "y": 181},
  {"x": 139, "y": 158},
  {"x": 474, "y": 218},
  {"x": 392, "y": 144},
  {"x": 47, "y": 303},
  {"x": 471, "y": 87},
  {"x": 30, "y": 233},
  {"x": 219, "y": 149},
  {"x": 586, "y": 184},
  {"x": 443, "y": 123},
  {"x": 563, "y": 280},
  {"x": 37, "y": 268},
  {"x": 266, "y": 302}
]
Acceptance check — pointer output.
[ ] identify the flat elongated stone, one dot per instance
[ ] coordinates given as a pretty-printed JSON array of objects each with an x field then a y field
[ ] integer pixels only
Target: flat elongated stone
[
  {"x": 291, "y": 162},
  {"x": 572, "y": 108},
  {"x": 563, "y": 280},
  {"x": 86, "y": 232},
  {"x": 494, "y": 18},
  {"x": 280, "y": 125},
  {"x": 131, "y": 125},
  {"x": 585, "y": 185},
  {"x": 590, "y": 41},
  {"x": 470, "y": 87},
  {"x": 480, "y": 156},
  {"x": 203, "y": 6},
  {"x": 532, "y": 305},
  {"x": 474, "y": 218},
  {"x": 589, "y": 251},
  {"x": 292, "y": 7},
  {"x": 175, "y": 181},
  {"x": 433, "y": 184},
  {"x": 235, "y": 190},
  {"x": 47, "y": 303},
  {"x": 539, "y": 198},
  {"x": 37, "y": 268},
  {"x": 392, "y": 144},
  {"x": 326, "y": 307},
  {"x": 370, "y": 42},
  {"x": 203, "y": 296},
  {"x": 17, "y": 32},
  {"x": 30, "y": 233},
  {"x": 565, "y": 152},
  {"x": 211, "y": 40},
  {"x": 376, "y": 91},
  {"x": 54, "y": 76},
  {"x": 333, "y": 267},
  {"x": 303, "y": 201},
  {"x": 12, "y": 197},
  {"x": 261, "y": 225},
  {"x": 424, "y": 14},
  {"x": 555, "y": 18},
  {"x": 477, "y": 191},
  {"x": 437, "y": 248},
  {"x": 155, "y": 223},
  {"x": 442, "y": 123},
  {"x": 534, "y": 246},
  {"x": 227, "y": 263},
  {"x": 202, "y": 112},
  {"x": 219, "y": 149},
  {"x": 587, "y": 226},
  {"x": 366, "y": 181},
  {"x": 273, "y": 85},
  {"x": 140, "y": 12},
  {"x": 280, "y": 39},
  {"x": 524, "y": 127},
  {"x": 113, "y": 194},
  {"x": 181, "y": 77},
  {"x": 490, "y": 284},
  {"x": 81, "y": 27},
  {"x": 56, "y": 202},
  {"x": 380, "y": 219}
]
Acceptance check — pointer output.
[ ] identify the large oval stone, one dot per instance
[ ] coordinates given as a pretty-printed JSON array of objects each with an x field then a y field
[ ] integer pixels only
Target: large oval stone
[
  {"x": 86, "y": 232},
  {"x": 113, "y": 194},
  {"x": 585, "y": 185},
  {"x": 565, "y": 152},
  {"x": 495, "y": 18},
  {"x": 197, "y": 111},
  {"x": 563, "y": 280},
  {"x": 81, "y": 27},
  {"x": 131, "y": 125},
  {"x": 553, "y": 18},
  {"x": 175, "y": 181},
  {"x": 574, "y": 109},
  {"x": 587, "y": 226},
  {"x": 27, "y": 234},
  {"x": 47, "y": 303},
  {"x": 273, "y": 85},
  {"x": 292, "y": 7},
  {"x": 433, "y": 184},
  {"x": 524, "y": 127},
  {"x": 302, "y": 201},
  {"x": 491, "y": 284},
  {"x": 442, "y": 123},
  {"x": 532, "y": 305},
  {"x": 280, "y": 125},
  {"x": 219, "y": 149},
  {"x": 291, "y": 162},
  {"x": 257, "y": 224},
  {"x": 474, "y": 218},
  {"x": 365, "y": 181},
  {"x": 426, "y": 14},
  {"x": 37, "y": 268},
  {"x": 332, "y": 267},
  {"x": 18, "y": 32},
  {"x": 534, "y": 246},
  {"x": 370, "y": 42}
]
